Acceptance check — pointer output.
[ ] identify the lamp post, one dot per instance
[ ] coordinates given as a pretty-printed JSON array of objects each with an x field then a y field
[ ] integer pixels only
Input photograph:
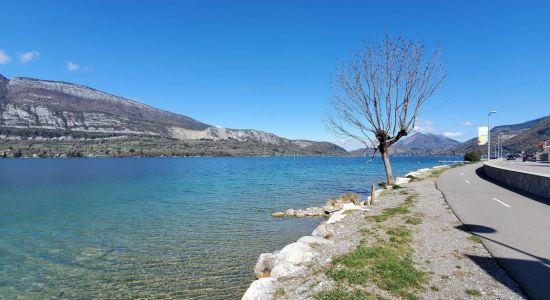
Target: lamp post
[
  {"x": 489, "y": 134},
  {"x": 501, "y": 144}
]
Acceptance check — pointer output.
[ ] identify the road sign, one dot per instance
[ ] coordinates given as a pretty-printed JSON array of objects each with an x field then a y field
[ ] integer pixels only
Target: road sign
[{"x": 482, "y": 135}]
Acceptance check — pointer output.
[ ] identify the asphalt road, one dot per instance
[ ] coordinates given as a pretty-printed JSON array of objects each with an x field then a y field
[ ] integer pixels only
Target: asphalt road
[
  {"x": 529, "y": 166},
  {"x": 514, "y": 227}
]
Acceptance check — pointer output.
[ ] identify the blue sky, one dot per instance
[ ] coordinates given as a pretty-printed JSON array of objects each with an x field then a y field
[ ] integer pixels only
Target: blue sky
[{"x": 267, "y": 65}]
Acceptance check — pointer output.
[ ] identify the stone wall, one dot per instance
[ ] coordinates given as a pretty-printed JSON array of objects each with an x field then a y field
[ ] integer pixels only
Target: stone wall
[{"x": 533, "y": 183}]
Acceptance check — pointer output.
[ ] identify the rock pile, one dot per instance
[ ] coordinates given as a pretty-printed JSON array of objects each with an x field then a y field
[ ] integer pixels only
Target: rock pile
[{"x": 330, "y": 207}]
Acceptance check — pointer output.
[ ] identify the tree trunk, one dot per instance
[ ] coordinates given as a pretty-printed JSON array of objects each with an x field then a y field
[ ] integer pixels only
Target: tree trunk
[{"x": 384, "y": 151}]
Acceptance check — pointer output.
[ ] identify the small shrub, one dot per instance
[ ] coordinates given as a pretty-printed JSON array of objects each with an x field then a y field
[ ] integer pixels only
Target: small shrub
[
  {"x": 412, "y": 177},
  {"x": 350, "y": 198},
  {"x": 473, "y": 156},
  {"x": 396, "y": 186}
]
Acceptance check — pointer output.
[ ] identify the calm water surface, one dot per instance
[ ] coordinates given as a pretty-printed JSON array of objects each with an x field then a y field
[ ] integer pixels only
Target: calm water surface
[{"x": 160, "y": 227}]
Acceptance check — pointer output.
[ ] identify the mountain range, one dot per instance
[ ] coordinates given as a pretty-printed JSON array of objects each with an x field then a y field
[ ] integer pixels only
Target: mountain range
[
  {"x": 36, "y": 115},
  {"x": 52, "y": 118},
  {"x": 515, "y": 138},
  {"x": 418, "y": 144},
  {"x": 524, "y": 136}
]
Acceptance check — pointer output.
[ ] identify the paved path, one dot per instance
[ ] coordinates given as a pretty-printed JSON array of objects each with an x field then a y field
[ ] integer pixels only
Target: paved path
[
  {"x": 514, "y": 228},
  {"x": 528, "y": 166}
]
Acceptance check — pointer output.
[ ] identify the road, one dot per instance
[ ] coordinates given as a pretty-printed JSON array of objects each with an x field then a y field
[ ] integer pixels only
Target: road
[
  {"x": 515, "y": 228},
  {"x": 529, "y": 166}
]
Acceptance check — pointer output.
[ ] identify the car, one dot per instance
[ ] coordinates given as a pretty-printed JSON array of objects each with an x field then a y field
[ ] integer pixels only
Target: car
[
  {"x": 529, "y": 157},
  {"x": 510, "y": 157}
]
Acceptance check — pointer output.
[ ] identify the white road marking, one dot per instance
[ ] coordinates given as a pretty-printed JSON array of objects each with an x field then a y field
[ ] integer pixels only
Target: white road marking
[
  {"x": 466, "y": 181},
  {"x": 501, "y": 202}
]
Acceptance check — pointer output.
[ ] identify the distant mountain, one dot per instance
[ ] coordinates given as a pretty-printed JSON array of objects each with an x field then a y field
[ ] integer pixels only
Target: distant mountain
[
  {"x": 425, "y": 142},
  {"x": 517, "y": 137},
  {"x": 91, "y": 121},
  {"x": 418, "y": 144}
]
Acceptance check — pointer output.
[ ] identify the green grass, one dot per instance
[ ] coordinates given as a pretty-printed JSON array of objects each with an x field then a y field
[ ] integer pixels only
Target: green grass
[
  {"x": 340, "y": 294},
  {"x": 473, "y": 292},
  {"x": 381, "y": 265},
  {"x": 389, "y": 212},
  {"x": 475, "y": 238},
  {"x": 387, "y": 262},
  {"x": 414, "y": 220},
  {"x": 401, "y": 209},
  {"x": 399, "y": 235}
]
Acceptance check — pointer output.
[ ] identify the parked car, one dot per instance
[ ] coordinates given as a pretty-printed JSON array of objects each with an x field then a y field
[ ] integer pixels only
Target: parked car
[
  {"x": 511, "y": 157},
  {"x": 529, "y": 157}
]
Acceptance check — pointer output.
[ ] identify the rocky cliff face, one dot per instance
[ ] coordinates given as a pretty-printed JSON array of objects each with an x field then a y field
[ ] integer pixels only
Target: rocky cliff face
[
  {"x": 41, "y": 104},
  {"x": 31, "y": 105}
]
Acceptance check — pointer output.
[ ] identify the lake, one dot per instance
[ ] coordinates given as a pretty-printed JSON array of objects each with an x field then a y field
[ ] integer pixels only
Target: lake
[{"x": 161, "y": 227}]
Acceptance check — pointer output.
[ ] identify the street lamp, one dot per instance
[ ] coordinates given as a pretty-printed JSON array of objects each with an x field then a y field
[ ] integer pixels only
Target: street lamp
[{"x": 489, "y": 134}]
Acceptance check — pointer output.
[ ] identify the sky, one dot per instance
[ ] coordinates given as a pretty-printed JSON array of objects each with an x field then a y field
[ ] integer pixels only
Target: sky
[{"x": 268, "y": 65}]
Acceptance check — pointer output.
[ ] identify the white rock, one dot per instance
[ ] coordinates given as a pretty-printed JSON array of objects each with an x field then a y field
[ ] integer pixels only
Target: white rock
[
  {"x": 351, "y": 206},
  {"x": 295, "y": 253},
  {"x": 286, "y": 270},
  {"x": 336, "y": 217},
  {"x": 261, "y": 289},
  {"x": 264, "y": 265},
  {"x": 401, "y": 180}
]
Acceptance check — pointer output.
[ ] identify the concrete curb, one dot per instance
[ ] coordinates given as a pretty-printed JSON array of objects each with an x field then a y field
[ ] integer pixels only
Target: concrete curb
[{"x": 534, "y": 183}]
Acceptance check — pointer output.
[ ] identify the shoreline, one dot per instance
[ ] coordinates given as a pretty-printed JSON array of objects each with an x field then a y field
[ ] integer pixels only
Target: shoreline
[
  {"x": 228, "y": 155},
  {"x": 289, "y": 261}
]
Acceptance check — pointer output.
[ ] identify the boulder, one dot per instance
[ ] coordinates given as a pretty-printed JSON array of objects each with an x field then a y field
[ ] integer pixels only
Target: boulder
[
  {"x": 261, "y": 289},
  {"x": 402, "y": 180},
  {"x": 286, "y": 269},
  {"x": 290, "y": 212},
  {"x": 314, "y": 211},
  {"x": 351, "y": 206},
  {"x": 264, "y": 265},
  {"x": 295, "y": 253},
  {"x": 278, "y": 214}
]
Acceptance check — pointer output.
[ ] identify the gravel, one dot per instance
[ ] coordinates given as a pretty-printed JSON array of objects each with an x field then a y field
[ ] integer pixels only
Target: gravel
[{"x": 457, "y": 266}]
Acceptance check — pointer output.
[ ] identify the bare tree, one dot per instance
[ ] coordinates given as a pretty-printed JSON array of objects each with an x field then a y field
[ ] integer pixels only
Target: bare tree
[{"x": 377, "y": 94}]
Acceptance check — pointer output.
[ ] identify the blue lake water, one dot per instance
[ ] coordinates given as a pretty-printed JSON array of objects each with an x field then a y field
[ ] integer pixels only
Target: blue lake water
[{"x": 160, "y": 227}]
